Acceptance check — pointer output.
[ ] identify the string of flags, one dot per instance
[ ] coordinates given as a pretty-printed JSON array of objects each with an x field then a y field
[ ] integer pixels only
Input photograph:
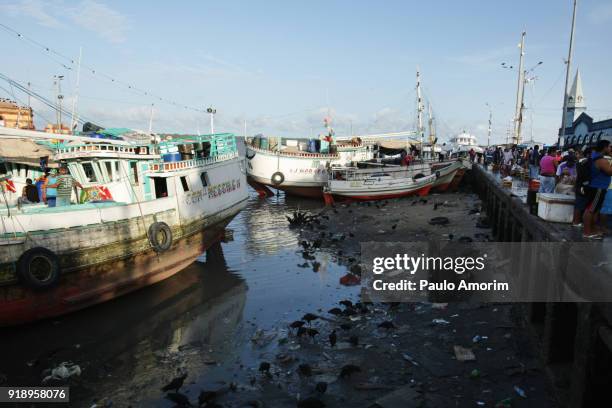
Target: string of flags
[{"x": 70, "y": 63}]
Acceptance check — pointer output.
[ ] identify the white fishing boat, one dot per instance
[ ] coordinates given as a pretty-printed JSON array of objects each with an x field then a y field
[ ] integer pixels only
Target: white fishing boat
[
  {"x": 376, "y": 183},
  {"x": 146, "y": 211},
  {"x": 299, "y": 168}
]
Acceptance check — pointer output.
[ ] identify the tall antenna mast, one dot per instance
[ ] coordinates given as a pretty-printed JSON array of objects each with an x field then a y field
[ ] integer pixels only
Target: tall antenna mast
[
  {"x": 419, "y": 109},
  {"x": 151, "y": 119},
  {"x": 432, "y": 129},
  {"x": 519, "y": 93},
  {"x": 490, "y": 122},
  {"x": 74, "y": 119},
  {"x": 567, "y": 76}
]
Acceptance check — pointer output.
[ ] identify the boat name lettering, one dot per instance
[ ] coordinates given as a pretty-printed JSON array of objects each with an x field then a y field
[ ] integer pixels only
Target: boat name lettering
[
  {"x": 311, "y": 170},
  {"x": 217, "y": 190}
]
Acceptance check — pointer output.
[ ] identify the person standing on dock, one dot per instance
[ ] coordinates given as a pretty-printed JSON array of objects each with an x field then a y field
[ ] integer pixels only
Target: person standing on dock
[
  {"x": 534, "y": 162},
  {"x": 548, "y": 170},
  {"x": 600, "y": 172}
]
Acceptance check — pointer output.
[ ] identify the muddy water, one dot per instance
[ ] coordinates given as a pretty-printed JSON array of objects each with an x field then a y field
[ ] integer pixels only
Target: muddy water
[{"x": 202, "y": 320}]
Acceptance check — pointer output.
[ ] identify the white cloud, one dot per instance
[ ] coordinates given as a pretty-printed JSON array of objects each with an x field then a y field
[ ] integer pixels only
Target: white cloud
[
  {"x": 38, "y": 10},
  {"x": 101, "y": 19},
  {"x": 91, "y": 15}
]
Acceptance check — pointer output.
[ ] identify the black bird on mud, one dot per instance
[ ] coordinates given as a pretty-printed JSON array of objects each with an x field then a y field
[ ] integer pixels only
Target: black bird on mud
[
  {"x": 206, "y": 397},
  {"x": 264, "y": 367},
  {"x": 346, "y": 326},
  {"x": 304, "y": 370},
  {"x": 354, "y": 340},
  {"x": 349, "y": 370},
  {"x": 179, "y": 399},
  {"x": 386, "y": 325},
  {"x": 321, "y": 387},
  {"x": 351, "y": 234},
  {"x": 310, "y": 402},
  {"x": 414, "y": 203},
  {"x": 349, "y": 311},
  {"x": 436, "y": 205},
  {"x": 309, "y": 317},
  {"x": 423, "y": 200},
  {"x": 336, "y": 311},
  {"x": 333, "y": 338},
  {"x": 312, "y": 333},
  {"x": 297, "y": 324},
  {"x": 394, "y": 226},
  {"x": 346, "y": 303},
  {"x": 175, "y": 384},
  {"x": 301, "y": 331},
  {"x": 362, "y": 307}
]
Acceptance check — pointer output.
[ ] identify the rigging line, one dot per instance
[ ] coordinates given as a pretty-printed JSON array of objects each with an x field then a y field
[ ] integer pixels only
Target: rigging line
[
  {"x": 551, "y": 88},
  {"x": 94, "y": 72}
]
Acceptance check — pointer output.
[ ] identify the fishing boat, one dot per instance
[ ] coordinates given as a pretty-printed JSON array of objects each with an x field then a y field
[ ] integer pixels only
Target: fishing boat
[
  {"x": 301, "y": 167},
  {"x": 376, "y": 184},
  {"x": 146, "y": 211}
]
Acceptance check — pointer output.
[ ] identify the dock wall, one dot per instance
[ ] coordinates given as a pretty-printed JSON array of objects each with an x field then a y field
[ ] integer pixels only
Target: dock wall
[{"x": 575, "y": 339}]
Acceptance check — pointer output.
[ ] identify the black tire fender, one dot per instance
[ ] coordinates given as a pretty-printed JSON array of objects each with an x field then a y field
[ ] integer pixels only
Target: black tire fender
[
  {"x": 38, "y": 268},
  {"x": 438, "y": 174},
  {"x": 418, "y": 176},
  {"x": 277, "y": 178},
  {"x": 160, "y": 236}
]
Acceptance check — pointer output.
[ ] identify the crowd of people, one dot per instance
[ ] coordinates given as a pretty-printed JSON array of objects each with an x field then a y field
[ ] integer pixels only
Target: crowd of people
[
  {"x": 52, "y": 188},
  {"x": 585, "y": 173}
]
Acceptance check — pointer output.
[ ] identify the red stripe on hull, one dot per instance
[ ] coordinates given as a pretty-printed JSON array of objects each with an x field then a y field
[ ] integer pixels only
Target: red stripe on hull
[{"x": 99, "y": 283}]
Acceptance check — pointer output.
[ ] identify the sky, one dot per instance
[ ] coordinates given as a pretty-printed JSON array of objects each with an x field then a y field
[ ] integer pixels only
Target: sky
[{"x": 281, "y": 66}]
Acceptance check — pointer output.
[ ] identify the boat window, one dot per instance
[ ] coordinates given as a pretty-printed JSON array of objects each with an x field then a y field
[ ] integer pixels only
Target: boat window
[
  {"x": 109, "y": 170},
  {"x": 3, "y": 169},
  {"x": 90, "y": 174},
  {"x": 204, "y": 179},
  {"x": 184, "y": 183},
  {"x": 134, "y": 171},
  {"x": 161, "y": 187}
]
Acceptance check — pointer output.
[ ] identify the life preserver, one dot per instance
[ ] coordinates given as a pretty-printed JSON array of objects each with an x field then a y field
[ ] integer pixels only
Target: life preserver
[
  {"x": 38, "y": 268},
  {"x": 160, "y": 236},
  {"x": 438, "y": 174},
  {"x": 277, "y": 178}
]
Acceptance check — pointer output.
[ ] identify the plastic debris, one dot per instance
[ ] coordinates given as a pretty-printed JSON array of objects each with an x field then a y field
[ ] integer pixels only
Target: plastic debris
[
  {"x": 439, "y": 306},
  {"x": 478, "y": 338},
  {"x": 520, "y": 391},
  {"x": 505, "y": 403},
  {"x": 409, "y": 359},
  {"x": 480, "y": 403},
  {"x": 440, "y": 321},
  {"x": 350, "y": 280},
  {"x": 464, "y": 354},
  {"x": 63, "y": 372}
]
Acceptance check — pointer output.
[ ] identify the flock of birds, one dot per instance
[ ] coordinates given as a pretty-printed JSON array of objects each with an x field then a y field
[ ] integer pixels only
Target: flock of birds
[{"x": 299, "y": 328}]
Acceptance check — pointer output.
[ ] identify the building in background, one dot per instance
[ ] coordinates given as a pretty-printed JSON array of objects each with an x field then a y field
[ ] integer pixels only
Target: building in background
[
  {"x": 14, "y": 116},
  {"x": 580, "y": 129}
]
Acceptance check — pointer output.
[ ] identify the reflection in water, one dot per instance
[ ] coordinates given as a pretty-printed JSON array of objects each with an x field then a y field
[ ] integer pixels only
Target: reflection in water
[
  {"x": 201, "y": 319},
  {"x": 130, "y": 342}
]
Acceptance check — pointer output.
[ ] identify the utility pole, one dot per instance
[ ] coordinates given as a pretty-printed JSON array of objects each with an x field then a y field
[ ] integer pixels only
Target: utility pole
[
  {"x": 419, "y": 110},
  {"x": 212, "y": 112},
  {"x": 58, "y": 80},
  {"x": 519, "y": 93},
  {"x": 567, "y": 77},
  {"x": 490, "y": 122},
  {"x": 151, "y": 119}
]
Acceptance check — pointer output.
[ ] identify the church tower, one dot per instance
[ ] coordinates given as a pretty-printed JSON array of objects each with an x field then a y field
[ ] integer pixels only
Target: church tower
[{"x": 575, "y": 101}]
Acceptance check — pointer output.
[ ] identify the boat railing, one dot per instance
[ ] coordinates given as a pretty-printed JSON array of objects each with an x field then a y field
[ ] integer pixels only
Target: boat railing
[
  {"x": 296, "y": 153},
  {"x": 110, "y": 148},
  {"x": 162, "y": 166}
]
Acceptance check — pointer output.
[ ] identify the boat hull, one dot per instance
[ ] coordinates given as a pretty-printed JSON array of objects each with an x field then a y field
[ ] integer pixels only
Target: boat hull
[
  {"x": 92, "y": 284},
  {"x": 369, "y": 190},
  {"x": 447, "y": 174}
]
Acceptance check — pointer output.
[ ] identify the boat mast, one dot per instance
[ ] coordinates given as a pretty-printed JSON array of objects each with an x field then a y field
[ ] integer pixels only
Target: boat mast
[
  {"x": 151, "y": 119},
  {"x": 567, "y": 76},
  {"x": 74, "y": 118},
  {"x": 432, "y": 129},
  {"x": 490, "y": 122},
  {"x": 419, "y": 110},
  {"x": 518, "y": 116}
]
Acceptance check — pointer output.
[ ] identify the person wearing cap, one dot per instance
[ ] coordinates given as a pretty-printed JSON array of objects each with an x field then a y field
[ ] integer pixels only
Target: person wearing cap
[{"x": 50, "y": 193}]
